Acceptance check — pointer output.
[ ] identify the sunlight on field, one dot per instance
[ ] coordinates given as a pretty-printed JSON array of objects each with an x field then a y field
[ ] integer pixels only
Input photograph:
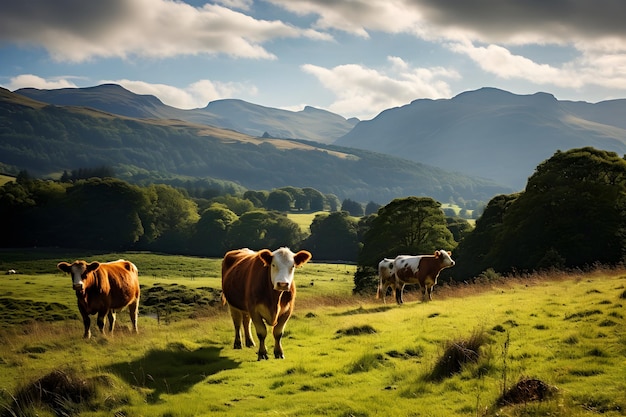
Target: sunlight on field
[{"x": 345, "y": 354}]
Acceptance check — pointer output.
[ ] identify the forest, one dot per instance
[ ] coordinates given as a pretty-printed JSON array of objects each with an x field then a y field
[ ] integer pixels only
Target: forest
[{"x": 572, "y": 214}]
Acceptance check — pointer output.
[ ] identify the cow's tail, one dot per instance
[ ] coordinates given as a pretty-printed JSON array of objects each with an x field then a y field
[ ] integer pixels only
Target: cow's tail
[{"x": 223, "y": 299}]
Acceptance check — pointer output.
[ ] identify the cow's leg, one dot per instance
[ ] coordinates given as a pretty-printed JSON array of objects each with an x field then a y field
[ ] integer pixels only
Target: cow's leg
[
  {"x": 112, "y": 317},
  {"x": 133, "y": 311},
  {"x": 278, "y": 335},
  {"x": 424, "y": 289},
  {"x": 100, "y": 320},
  {"x": 237, "y": 317},
  {"x": 247, "y": 333},
  {"x": 261, "y": 332},
  {"x": 87, "y": 324},
  {"x": 399, "y": 289},
  {"x": 430, "y": 292}
]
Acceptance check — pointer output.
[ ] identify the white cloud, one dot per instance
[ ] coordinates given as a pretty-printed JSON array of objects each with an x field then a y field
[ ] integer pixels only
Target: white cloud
[
  {"x": 77, "y": 31},
  {"x": 195, "y": 95},
  {"x": 34, "y": 81},
  {"x": 364, "y": 92}
]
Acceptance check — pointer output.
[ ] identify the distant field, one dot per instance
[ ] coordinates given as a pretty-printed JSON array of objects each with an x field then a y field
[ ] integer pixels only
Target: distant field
[
  {"x": 304, "y": 220},
  {"x": 346, "y": 355},
  {"x": 5, "y": 178}
]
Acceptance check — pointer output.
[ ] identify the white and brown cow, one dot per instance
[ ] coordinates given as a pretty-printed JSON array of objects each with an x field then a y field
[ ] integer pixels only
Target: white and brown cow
[
  {"x": 386, "y": 278},
  {"x": 422, "y": 270},
  {"x": 104, "y": 289},
  {"x": 260, "y": 286}
]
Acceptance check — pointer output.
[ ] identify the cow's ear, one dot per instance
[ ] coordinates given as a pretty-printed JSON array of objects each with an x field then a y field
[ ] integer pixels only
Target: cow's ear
[
  {"x": 437, "y": 254},
  {"x": 65, "y": 267},
  {"x": 93, "y": 266},
  {"x": 449, "y": 253},
  {"x": 266, "y": 256},
  {"x": 302, "y": 257}
]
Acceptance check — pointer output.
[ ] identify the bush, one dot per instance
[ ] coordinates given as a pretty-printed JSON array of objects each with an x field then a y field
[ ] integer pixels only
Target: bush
[{"x": 456, "y": 354}]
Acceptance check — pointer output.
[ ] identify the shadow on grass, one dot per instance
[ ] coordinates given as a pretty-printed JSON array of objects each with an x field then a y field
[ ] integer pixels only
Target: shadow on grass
[
  {"x": 362, "y": 310},
  {"x": 172, "y": 370}
]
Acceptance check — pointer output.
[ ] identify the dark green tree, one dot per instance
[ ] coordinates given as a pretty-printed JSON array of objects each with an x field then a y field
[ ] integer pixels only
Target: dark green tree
[
  {"x": 411, "y": 225},
  {"x": 105, "y": 214},
  {"x": 572, "y": 214},
  {"x": 353, "y": 207},
  {"x": 264, "y": 229},
  {"x": 333, "y": 237},
  {"x": 471, "y": 254},
  {"x": 279, "y": 200},
  {"x": 211, "y": 232},
  {"x": 372, "y": 208}
]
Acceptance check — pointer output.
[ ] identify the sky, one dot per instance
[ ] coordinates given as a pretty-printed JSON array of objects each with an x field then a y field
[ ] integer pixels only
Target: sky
[{"x": 355, "y": 58}]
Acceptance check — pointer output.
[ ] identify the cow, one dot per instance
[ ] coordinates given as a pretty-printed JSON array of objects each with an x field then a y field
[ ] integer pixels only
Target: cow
[
  {"x": 386, "y": 278},
  {"x": 422, "y": 270},
  {"x": 104, "y": 288},
  {"x": 260, "y": 287}
]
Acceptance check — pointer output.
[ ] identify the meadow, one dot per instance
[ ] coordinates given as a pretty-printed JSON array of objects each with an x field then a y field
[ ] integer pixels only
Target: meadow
[{"x": 552, "y": 344}]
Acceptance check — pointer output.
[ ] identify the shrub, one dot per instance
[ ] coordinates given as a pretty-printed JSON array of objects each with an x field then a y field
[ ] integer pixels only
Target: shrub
[{"x": 456, "y": 354}]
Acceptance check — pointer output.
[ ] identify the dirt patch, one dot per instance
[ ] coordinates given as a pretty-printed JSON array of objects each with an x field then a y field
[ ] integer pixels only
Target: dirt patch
[{"x": 527, "y": 390}]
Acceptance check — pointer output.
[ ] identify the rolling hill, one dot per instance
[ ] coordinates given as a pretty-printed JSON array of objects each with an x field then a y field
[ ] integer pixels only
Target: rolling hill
[
  {"x": 46, "y": 140},
  {"x": 491, "y": 133},
  {"x": 309, "y": 124}
]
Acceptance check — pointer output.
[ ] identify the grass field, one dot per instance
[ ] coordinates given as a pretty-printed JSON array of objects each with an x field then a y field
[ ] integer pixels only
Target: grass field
[{"x": 345, "y": 355}]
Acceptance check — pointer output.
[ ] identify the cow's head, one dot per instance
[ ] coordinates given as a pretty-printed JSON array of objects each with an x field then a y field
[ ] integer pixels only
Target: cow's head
[
  {"x": 282, "y": 263},
  {"x": 78, "y": 271},
  {"x": 445, "y": 257}
]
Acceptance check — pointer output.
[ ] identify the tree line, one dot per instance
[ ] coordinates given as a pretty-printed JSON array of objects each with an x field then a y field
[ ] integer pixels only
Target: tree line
[{"x": 572, "y": 214}]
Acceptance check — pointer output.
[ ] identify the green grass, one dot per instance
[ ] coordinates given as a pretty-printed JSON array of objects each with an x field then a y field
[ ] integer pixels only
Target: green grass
[{"x": 345, "y": 355}]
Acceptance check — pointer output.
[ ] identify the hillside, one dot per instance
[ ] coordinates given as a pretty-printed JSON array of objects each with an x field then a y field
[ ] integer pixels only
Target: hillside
[
  {"x": 491, "y": 133},
  {"x": 308, "y": 124},
  {"x": 45, "y": 140}
]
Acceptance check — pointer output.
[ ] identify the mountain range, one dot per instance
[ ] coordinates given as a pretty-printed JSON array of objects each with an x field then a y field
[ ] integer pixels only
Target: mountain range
[
  {"x": 309, "y": 124},
  {"x": 486, "y": 133},
  {"x": 492, "y": 133},
  {"x": 47, "y": 139}
]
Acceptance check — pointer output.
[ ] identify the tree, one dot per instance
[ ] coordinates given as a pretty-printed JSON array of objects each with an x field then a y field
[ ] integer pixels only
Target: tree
[
  {"x": 575, "y": 205},
  {"x": 315, "y": 199},
  {"x": 571, "y": 214},
  {"x": 173, "y": 216},
  {"x": 411, "y": 225},
  {"x": 278, "y": 200},
  {"x": 235, "y": 204},
  {"x": 211, "y": 231},
  {"x": 106, "y": 213},
  {"x": 372, "y": 208},
  {"x": 353, "y": 207},
  {"x": 264, "y": 229},
  {"x": 258, "y": 198},
  {"x": 333, "y": 237}
]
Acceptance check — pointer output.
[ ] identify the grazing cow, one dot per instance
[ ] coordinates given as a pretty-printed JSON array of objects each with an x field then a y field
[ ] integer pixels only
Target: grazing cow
[
  {"x": 422, "y": 270},
  {"x": 104, "y": 288},
  {"x": 259, "y": 286},
  {"x": 386, "y": 278}
]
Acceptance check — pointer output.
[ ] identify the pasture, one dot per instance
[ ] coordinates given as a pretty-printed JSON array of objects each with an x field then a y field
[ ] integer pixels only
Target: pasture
[{"x": 345, "y": 355}]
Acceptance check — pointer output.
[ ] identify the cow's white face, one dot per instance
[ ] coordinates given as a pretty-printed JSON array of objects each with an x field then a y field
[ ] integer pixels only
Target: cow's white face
[
  {"x": 446, "y": 258},
  {"x": 78, "y": 271},
  {"x": 283, "y": 266}
]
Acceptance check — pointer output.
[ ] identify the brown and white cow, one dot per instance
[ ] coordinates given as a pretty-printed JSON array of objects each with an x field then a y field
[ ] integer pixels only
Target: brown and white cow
[
  {"x": 422, "y": 270},
  {"x": 386, "y": 278},
  {"x": 260, "y": 286},
  {"x": 104, "y": 289}
]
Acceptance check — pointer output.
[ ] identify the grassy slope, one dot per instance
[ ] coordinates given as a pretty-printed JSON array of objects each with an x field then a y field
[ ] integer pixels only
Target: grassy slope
[{"x": 567, "y": 331}]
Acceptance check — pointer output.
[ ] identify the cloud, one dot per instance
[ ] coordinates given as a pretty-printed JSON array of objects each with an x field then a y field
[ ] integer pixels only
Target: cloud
[
  {"x": 364, "y": 92},
  {"x": 77, "y": 30},
  {"x": 34, "y": 81},
  {"x": 195, "y": 95}
]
